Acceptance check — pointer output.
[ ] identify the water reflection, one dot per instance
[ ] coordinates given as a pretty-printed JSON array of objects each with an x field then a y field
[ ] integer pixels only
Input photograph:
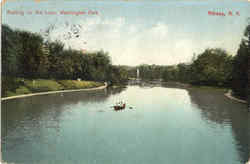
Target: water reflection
[
  {"x": 83, "y": 126},
  {"x": 22, "y": 115},
  {"x": 217, "y": 108},
  {"x": 114, "y": 91}
]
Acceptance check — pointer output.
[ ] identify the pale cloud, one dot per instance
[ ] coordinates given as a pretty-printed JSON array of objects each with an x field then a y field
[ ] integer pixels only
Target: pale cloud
[{"x": 134, "y": 44}]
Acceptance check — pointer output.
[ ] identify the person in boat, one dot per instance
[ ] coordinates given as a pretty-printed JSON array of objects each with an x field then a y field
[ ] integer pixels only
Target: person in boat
[{"x": 120, "y": 105}]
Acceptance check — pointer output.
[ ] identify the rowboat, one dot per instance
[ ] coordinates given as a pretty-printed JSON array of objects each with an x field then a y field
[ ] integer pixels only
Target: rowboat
[{"x": 120, "y": 106}]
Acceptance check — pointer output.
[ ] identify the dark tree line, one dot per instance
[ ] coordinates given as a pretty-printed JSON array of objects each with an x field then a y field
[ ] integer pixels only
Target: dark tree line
[
  {"x": 28, "y": 55},
  {"x": 212, "y": 67}
]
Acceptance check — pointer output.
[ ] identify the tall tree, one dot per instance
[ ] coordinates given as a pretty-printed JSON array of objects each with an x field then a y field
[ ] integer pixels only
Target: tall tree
[
  {"x": 212, "y": 67},
  {"x": 241, "y": 75},
  {"x": 9, "y": 59},
  {"x": 9, "y": 52},
  {"x": 34, "y": 63}
]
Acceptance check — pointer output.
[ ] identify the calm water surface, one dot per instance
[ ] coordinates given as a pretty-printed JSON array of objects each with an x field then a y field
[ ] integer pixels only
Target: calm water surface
[{"x": 165, "y": 126}]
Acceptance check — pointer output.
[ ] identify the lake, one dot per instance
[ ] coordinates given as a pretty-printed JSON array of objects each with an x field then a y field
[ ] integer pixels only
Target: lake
[{"x": 164, "y": 126}]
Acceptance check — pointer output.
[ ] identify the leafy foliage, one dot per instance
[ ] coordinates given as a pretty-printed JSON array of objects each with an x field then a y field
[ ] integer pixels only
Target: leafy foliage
[
  {"x": 212, "y": 67},
  {"x": 27, "y": 55},
  {"x": 9, "y": 52},
  {"x": 241, "y": 70}
]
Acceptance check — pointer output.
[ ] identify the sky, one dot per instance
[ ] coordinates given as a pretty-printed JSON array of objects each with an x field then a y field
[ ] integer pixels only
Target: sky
[{"x": 134, "y": 32}]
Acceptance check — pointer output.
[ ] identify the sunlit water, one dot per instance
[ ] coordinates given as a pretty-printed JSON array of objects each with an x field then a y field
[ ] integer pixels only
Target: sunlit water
[{"x": 164, "y": 126}]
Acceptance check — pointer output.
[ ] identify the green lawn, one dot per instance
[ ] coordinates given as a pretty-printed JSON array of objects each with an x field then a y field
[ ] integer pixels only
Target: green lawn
[{"x": 26, "y": 86}]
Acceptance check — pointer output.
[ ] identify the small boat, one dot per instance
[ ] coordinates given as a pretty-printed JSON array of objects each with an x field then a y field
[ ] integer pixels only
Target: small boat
[{"x": 120, "y": 106}]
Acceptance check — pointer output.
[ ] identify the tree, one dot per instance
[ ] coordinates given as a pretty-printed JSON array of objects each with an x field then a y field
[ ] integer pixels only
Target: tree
[
  {"x": 33, "y": 62},
  {"x": 55, "y": 51},
  {"x": 9, "y": 59},
  {"x": 118, "y": 74},
  {"x": 9, "y": 52},
  {"x": 184, "y": 72},
  {"x": 212, "y": 67},
  {"x": 240, "y": 76}
]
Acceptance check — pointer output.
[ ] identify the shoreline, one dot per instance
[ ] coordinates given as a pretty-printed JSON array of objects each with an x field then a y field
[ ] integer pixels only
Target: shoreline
[
  {"x": 53, "y": 92},
  {"x": 229, "y": 95}
]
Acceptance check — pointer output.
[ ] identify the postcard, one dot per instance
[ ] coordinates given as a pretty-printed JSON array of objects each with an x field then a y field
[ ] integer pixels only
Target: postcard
[{"x": 125, "y": 81}]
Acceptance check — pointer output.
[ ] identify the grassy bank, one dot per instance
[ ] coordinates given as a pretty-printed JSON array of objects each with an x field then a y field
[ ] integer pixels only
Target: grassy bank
[
  {"x": 209, "y": 87},
  {"x": 191, "y": 86},
  {"x": 27, "y": 86}
]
